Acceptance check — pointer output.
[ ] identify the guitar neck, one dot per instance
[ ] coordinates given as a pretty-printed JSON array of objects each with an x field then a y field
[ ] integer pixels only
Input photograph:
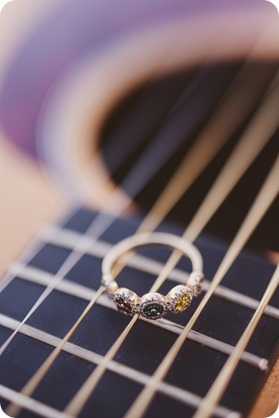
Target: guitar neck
[{"x": 199, "y": 361}]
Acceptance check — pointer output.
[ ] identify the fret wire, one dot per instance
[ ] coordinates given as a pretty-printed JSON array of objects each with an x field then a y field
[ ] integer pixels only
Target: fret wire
[
  {"x": 88, "y": 387},
  {"x": 99, "y": 371},
  {"x": 220, "y": 127},
  {"x": 66, "y": 238},
  {"x": 68, "y": 264},
  {"x": 49, "y": 412},
  {"x": 260, "y": 130},
  {"x": 32, "y": 383},
  {"x": 74, "y": 260},
  {"x": 55, "y": 357},
  {"x": 26, "y": 258},
  {"x": 134, "y": 182},
  {"x": 221, "y": 382},
  {"x": 172, "y": 391},
  {"x": 36, "y": 275},
  {"x": 261, "y": 204},
  {"x": 85, "y": 293},
  {"x": 99, "y": 225},
  {"x": 33, "y": 249},
  {"x": 31, "y": 404},
  {"x": 104, "y": 220}
]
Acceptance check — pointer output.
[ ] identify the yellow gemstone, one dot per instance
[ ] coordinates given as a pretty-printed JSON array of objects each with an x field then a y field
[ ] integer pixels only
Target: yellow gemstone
[
  {"x": 182, "y": 303},
  {"x": 179, "y": 306}
]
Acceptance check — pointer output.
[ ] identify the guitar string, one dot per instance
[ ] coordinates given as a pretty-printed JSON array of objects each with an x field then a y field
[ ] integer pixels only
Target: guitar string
[
  {"x": 37, "y": 377},
  {"x": 46, "y": 411},
  {"x": 219, "y": 128},
  {"x": 226, "y": 415},
  {"x": 254, "y": 140},
  {"x": 220, "y": 384},
  {"x": 125, "y": 154},
  {"x": 85, "y": 294},
  {"x": 264, "y": 199},
  {"x": 112, "y": 148},
  {"x": 37, "y": 407},
  {"x": 235, "y": 169},
  {"x": 199, "y": 77},
  {"x": 64, "y": 240},
  {"x": 196, "y": 81},
  {"x": 120, "y": 158},
  {"x": 103, "y": 219},
  {"x": 83, "y": 315},
  {"x": 3, "y": 347},
  {"x": 75, "y": 256},
  {"x": 27, "y": 256}
]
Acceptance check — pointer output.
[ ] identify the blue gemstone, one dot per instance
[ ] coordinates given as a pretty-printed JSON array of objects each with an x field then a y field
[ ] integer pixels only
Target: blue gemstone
[{"x": 153, "y": 310}]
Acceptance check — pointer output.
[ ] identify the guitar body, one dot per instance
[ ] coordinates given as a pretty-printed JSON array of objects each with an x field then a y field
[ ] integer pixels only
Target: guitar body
[{"x": 112, "y": 86}]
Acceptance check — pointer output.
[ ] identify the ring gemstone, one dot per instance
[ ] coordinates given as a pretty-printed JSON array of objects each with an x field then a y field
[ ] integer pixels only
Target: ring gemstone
[
  {"x": 123, "y": 305},
  {"x": 153, "y": 311},
  {"x": 153, "y": 306},
  {"x": 126, "y": 301},
  {"x": 179, "y": 298},
  {"x": 182, "y": 303}
]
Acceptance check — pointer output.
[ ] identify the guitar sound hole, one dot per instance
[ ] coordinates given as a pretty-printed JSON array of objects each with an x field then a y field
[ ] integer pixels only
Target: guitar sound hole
[{"x": 147, "y": 114}]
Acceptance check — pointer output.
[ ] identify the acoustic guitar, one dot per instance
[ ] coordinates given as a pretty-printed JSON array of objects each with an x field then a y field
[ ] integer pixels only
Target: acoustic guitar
[{"x": 152, "y": 116}]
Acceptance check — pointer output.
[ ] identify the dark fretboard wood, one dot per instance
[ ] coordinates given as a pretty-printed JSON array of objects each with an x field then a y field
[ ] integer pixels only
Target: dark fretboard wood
[{"x": 195, "y": 368}]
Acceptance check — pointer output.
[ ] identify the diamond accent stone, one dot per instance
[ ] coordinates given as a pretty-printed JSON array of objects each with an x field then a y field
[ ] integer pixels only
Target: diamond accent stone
[{"x": 195, "y": 282}]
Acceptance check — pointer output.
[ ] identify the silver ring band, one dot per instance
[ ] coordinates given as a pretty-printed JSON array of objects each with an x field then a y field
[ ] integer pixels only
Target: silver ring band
[{"x": 153, "y": 305}]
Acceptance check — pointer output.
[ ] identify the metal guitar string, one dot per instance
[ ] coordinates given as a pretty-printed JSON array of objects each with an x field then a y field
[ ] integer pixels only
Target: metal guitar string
[
  {"x": 198, "y": 78},
  {"x": 96, "y": 229},
  {"x": 264, "y": 199},
  {"x": 104, "y": 220},
  {"x": 52, "y": 357},
  {"x": 133, "y": 182},
  {"x": 196, "y": 81},
  {"x": 41, "y": 372},
  {"x": 221, "y": 382},
  {"x": 237, "y": 170}
]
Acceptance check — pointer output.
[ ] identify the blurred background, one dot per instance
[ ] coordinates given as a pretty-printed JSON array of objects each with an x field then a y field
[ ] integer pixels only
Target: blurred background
[
  {"x": 27, "y": 196},
  {"x": 70, "y": 69}
]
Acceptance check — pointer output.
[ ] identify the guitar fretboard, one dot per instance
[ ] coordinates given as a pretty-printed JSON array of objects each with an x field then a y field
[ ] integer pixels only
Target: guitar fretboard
[{"x": 199, "y": 361}]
